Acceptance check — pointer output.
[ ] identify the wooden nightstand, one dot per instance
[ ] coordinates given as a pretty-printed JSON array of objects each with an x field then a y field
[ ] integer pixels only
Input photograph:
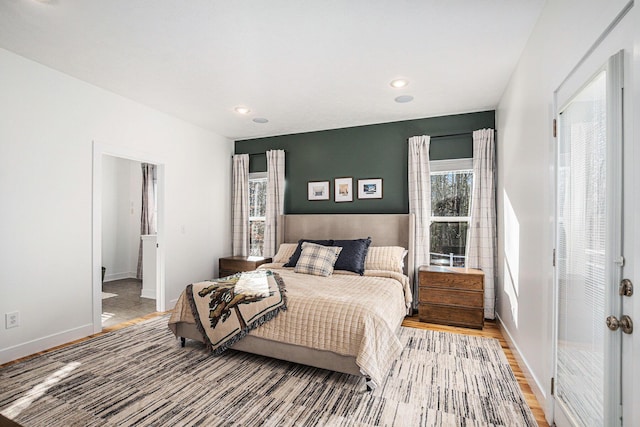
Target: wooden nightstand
[
  {"x": 235, "y": 264},
  {"x": 451, "y": 296}
]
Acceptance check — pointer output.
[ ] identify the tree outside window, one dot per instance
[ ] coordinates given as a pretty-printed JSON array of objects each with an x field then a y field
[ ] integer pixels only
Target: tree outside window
[
  {"x": 450, "y": 216},
  {"x": 257, "y": 212}
]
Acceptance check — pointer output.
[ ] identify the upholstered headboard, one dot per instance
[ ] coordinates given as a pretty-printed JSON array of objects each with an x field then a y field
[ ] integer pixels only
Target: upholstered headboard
[{"x": 384, "y": 230}]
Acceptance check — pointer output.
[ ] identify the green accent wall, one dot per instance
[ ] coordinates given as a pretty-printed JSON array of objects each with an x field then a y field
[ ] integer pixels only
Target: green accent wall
[{"x": 373, "y": 151}]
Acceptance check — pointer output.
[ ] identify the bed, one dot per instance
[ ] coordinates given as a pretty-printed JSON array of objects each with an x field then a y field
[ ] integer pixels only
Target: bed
[{"x": 356, "y": 305}]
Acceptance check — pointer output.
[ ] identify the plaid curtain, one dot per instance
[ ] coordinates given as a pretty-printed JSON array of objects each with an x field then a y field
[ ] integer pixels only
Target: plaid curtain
[
  {"x": 275, "y": 200},
  {"x": 148, "y": 223},
  {"x": 482, "y": 236},
  {"x": 420, "y": 202},
  {"x": 240, "y": 205}
]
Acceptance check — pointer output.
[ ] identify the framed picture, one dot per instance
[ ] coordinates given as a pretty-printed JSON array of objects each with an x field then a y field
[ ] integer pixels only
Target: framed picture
[
  {"x": 343, "y": 190},
  {"x": 318, "y": 190},
  {"x": 370, "y": 188}
]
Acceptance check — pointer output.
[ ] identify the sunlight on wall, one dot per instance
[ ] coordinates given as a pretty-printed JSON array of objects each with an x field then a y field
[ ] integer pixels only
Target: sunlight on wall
[
  {"x": 38, "y": 390},
  {"x": 511, "y": 256}
]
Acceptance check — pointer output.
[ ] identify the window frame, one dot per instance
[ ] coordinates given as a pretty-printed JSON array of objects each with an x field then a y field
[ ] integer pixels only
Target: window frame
[
  {"x": 255, "y": 176},
  {"x": 437, "y": 167}
]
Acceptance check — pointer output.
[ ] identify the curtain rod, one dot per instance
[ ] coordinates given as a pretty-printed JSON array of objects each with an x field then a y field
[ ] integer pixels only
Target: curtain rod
[
  {"x": 251, "y": 154},
  {"x": 457, "y": 134},
  {"x": 448, "y": 135}
]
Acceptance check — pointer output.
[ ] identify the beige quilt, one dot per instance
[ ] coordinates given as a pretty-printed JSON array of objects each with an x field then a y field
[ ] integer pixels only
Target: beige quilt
[{"x": 344, "y": 313}]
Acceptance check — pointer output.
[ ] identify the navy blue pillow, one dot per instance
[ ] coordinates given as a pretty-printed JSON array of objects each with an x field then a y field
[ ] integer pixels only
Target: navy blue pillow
[
  {"x": 296, "y": 254},
  {"x": 353, "y": 254}
]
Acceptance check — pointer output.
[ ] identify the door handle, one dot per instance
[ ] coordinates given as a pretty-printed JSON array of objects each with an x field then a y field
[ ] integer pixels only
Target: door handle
[
  {"x": 626, "y": 288},
  {"x": 625, "y": 323}
]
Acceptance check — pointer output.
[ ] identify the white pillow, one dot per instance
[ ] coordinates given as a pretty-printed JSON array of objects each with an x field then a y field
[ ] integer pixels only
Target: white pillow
[
  {"x": 284, "y": 252},
  {"x": 388, "y": 258}
]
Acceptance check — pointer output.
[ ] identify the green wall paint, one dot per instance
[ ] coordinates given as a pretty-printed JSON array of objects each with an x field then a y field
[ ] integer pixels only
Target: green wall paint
[{"x": 374, "y": 151}]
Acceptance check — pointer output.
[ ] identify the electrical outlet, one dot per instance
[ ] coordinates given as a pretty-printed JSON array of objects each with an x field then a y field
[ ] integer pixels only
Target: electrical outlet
[{"x": 12, "y": 320}]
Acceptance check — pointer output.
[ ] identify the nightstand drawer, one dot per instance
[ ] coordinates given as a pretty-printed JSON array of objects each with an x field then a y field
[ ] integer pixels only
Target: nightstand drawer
[
  {"x": 452, "y": 281},
  {"x": 236, "y": 264},
  {"x": 452, "y": 315},
  {"x": 473, "y": 299}
]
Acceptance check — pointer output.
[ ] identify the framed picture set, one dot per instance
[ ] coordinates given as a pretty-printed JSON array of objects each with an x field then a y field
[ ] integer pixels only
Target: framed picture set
[
  {"x": 370, "y": 188},
  {"x": 318, "y": 190},
  {"x": 343, "y": 190}
]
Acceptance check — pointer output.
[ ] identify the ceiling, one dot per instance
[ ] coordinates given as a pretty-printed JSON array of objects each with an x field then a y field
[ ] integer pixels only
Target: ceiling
[{"x": 304, "y": 65}]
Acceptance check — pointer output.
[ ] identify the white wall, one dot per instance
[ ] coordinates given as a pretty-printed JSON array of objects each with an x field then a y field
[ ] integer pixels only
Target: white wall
[
  {"x": 121, "y": 203},
  {"x": 48, "y": 121},
  {"x": 564, "y": 33}
]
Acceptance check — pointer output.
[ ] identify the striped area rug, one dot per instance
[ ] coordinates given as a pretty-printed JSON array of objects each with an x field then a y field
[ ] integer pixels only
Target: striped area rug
[{"x": 141, "y": 376}]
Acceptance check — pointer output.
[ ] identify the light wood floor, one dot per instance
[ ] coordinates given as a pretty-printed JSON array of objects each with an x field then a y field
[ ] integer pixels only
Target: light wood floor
[{"x": 490, "y": 330}]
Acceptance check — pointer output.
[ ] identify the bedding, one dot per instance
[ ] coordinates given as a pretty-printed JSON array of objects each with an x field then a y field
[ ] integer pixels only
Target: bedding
[
  {"x": 296, "y": 254},
  {"x": 344, "y": 313},
  {"x": 225, "y": 310},
  {"x": 284, "y": 252},
  {"x": 317, "y": 259},
  {"x": 353, "y": 254},
  {"x": 385, "y": 258}
]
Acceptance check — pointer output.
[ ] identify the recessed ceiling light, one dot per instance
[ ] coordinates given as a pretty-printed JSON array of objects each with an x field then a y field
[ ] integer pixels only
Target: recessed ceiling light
[
  {"x": 404, "y": 98},
  {"x": 260, "y": 120},
  {"x": 242, "y": 110},
  {"x": 399, "y": 83}
]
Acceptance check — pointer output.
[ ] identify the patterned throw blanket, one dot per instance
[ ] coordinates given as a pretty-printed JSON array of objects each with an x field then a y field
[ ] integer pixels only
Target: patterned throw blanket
[{"x": 225, "y": 310}]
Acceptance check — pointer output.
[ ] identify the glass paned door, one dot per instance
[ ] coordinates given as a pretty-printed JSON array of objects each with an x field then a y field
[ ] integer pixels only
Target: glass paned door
[{"x": 587, "y": 380}]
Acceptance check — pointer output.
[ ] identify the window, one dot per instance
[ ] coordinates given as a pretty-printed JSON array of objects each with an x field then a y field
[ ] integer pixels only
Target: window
[
  {"x": 451, "y": 187},
  {"x": 257, "y": 212}
]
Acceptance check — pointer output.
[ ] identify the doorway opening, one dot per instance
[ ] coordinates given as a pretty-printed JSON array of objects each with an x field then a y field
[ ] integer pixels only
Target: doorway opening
[
  {"x": 128, "y": 261},
  {"x": 128, "y": 239}
]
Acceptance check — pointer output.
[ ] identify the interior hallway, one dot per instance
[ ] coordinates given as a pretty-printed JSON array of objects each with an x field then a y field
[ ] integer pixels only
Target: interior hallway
[{"x": 121, "y": 302}]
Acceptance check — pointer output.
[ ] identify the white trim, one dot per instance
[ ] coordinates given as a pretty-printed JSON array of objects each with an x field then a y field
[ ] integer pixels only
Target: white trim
[
  {"x": 99, "y": 150},
  {"x": 450, "y": 219},
  {"x": 537, "y": 389},
  {"x": 451, "y": 165},
  {"x": 613, "y": 272},
  {"x": 34, "y": 346},
  {"x": 119, "y": 276},
  {"x": 257, "y": 175},
  {"x": 573, "y": 84},
  {"x": 148, "y": 293}
]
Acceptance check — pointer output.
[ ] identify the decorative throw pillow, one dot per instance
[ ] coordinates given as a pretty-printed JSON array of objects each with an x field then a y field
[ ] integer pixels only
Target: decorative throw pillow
[
  {"x": 317, "y": 259},
  {"x": 389, "y": 258},
  {"x": 294, "y": 258},
  {"x": 284, "y": 252},
  {"x": 353, "y": 254}
]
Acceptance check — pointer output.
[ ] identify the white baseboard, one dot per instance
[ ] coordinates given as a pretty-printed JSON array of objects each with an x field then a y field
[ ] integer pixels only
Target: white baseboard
[
  {"x": 148, "y": 293},
  {"x": 537, "y": 389},
  {"x": 31, "y": 347},
  {"x": 119, "y": 276}
]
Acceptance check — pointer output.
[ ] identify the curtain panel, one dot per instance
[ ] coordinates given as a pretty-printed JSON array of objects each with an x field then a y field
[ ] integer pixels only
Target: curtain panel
[
  {"x": 482, "y": 235},
  {"x": 420, "y": 202},
  {"x": 240, "y": 205},
  {"x": 275, "y": 200},
  {"x": 148, "y": 211}
]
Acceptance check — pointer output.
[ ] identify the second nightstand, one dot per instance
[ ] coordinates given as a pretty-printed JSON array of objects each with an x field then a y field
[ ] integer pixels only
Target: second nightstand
[
  {"x": 235, "y": 264},
  {"x": 451, "y": 296}
]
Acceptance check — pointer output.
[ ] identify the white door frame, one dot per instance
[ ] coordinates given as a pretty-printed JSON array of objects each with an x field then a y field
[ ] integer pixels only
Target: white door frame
[
  {"x": 99, "y": 151},
  {"x": 613, "y": 264},
  {"x": 615, "y": 38}
]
